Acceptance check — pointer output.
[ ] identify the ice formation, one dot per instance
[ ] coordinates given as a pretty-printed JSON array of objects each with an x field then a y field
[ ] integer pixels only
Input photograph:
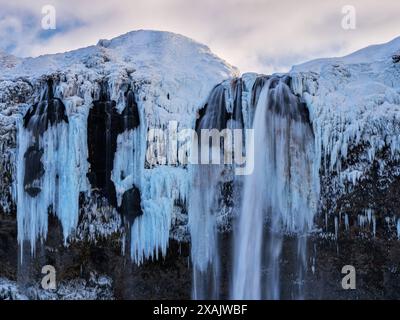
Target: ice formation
[
  {"x": 162, "y": 188},
  {"x": 167, "y": 76},
  {"x": 398, "y": 229},
  {"x": 51, "y": 166},
  {"x": 354, "y": 106}
]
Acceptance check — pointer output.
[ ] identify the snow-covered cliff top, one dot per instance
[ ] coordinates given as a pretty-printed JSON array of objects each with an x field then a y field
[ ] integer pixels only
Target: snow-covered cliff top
[
  {"x": 374, "y": 53},
  {"x": 156, "y": 52}
]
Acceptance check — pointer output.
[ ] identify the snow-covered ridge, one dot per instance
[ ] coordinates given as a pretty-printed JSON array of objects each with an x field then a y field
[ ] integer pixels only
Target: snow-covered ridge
[
  {"x": 142, "y": 48},
  {"x": 373, "y": 53}
]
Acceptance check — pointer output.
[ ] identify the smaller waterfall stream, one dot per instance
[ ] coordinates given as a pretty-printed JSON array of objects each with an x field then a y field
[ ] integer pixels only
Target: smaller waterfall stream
[{"x": 202, "y": 208}]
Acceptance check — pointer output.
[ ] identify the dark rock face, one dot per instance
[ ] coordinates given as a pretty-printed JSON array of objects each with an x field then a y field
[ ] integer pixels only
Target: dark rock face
[
  {"x": 371, "y": 247},
  {"x": 375, "y": 261},
  {"x": 130, "y": 206},
  {"x": 130, "y": 115},
  {"x": 8, "y": 246},
  {"x": 103, "y": 129},
  {"x": 104, "y": 126},
  {"x": 34, "y": 170},
  {"x": 167, "y": 278},
  {"x": 237, "y": 114},
  {"x": 378, "y": 191}
]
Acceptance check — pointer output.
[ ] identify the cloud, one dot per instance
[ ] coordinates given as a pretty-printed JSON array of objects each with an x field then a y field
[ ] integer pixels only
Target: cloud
[{"x": 255, "y": 35}]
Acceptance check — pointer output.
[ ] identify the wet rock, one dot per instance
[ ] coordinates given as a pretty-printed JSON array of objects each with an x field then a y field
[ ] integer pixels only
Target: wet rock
[
  {"x": 104, "y": 126},
  {"x": 214, "y": 114},
  {"x": 130, "y": 207},
  {"x": 34, "y": 170},
  {"x": 283, "y": 102},
  {"x": 130, "y": 115},
  {"x": 237, "y": 114},
  {"x": 103, "y": 129}
]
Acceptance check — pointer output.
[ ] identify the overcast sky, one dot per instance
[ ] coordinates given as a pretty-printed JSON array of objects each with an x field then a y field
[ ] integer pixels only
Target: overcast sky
[{"x": 254, "y": 35}]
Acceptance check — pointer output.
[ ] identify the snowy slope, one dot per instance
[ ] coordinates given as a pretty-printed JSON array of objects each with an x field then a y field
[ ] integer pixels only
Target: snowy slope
[
  {"x": 370, "y": 54},
  {"x": 354, "y": 104}
]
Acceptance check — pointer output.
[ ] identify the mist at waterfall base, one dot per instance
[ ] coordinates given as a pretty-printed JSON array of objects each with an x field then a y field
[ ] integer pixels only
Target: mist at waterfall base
[{"x": 106, "y": 161}]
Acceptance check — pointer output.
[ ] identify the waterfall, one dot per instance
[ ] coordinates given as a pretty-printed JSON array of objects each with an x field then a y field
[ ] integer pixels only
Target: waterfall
[
  {"x": 280, "y": 191},
  {"x": 203, "y": 228}
]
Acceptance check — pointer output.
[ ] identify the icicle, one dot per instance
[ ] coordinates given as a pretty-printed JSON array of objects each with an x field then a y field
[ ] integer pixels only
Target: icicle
[
  {"x": 346, "y": 221},
  {"x": 150, "y": 231},
  {"x": 336, "y": 227},
  {"x": 374, "y": 225},
  {"x": 128, "y": 162},
  {"x": 398, "y": 229}
]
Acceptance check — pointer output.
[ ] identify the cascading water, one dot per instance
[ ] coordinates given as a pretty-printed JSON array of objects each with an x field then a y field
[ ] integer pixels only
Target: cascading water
[
  {"x": 211, "y": 183},
  {"x": 203, "y": 229},
  {"x": 281, "y": 190}
]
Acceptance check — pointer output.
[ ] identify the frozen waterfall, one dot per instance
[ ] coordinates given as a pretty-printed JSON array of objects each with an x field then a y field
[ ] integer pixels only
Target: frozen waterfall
[{"x": 51, "y": 158}]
